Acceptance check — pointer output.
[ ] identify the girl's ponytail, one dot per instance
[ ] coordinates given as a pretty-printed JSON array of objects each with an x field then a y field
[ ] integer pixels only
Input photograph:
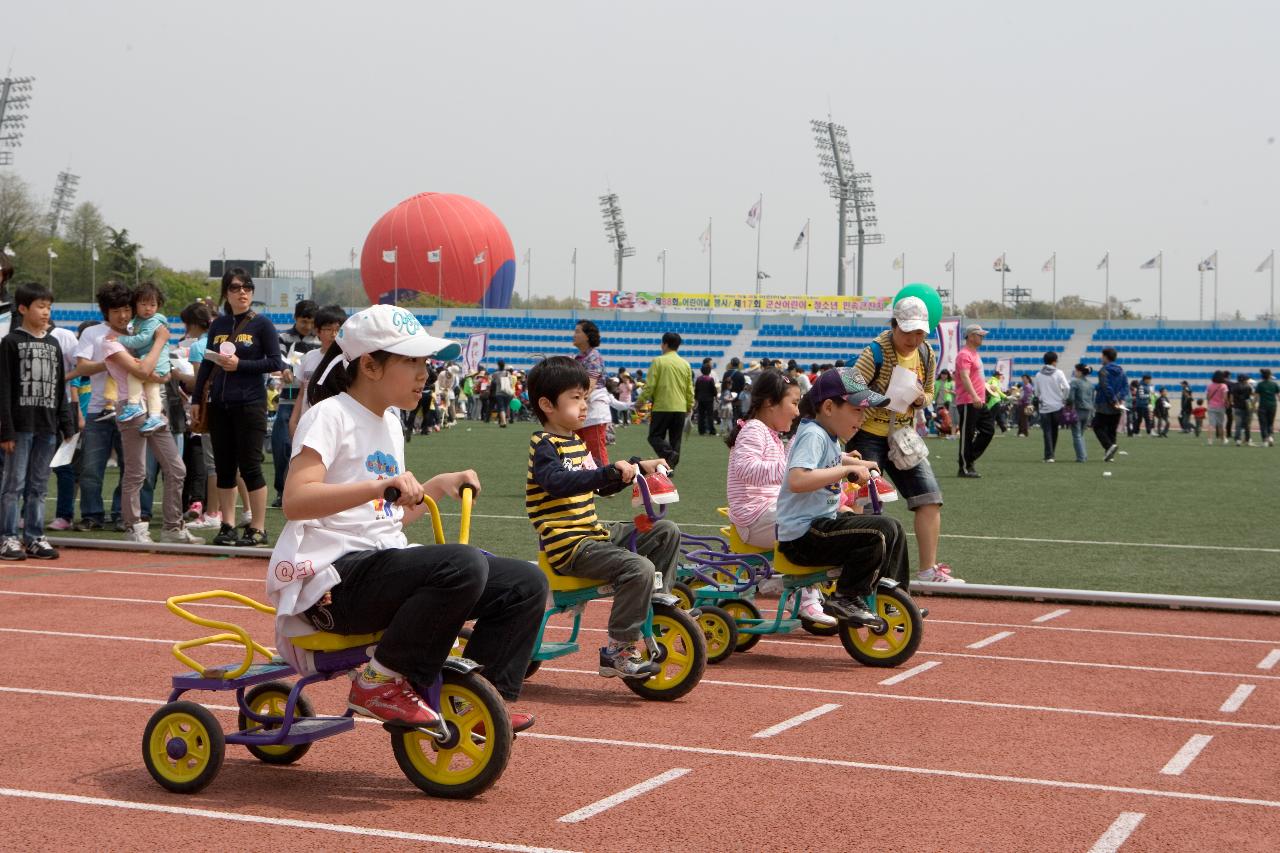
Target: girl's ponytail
[{"x": 331, "y": 379}]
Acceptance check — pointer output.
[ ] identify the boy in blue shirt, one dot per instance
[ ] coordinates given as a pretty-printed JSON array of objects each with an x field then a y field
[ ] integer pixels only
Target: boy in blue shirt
[{"x": 811, "y": 529}]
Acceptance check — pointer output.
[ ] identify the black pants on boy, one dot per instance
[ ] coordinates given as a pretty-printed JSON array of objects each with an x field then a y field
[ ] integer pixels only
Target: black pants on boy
[
  {"x": 977, "y": 426},
  {"x": 706, "y": 417},
  {"x": 421, "y": 595},
  {"x": 1104, "y": 427},
  {"x": 666, "y": 432},
  {"x": 868, "y": 547}
]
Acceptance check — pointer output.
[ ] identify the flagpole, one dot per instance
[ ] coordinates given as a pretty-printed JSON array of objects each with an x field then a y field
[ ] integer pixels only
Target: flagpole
[
  {"x": 1160, "y": 291},
  {"x": 1004, "y": 267},
  {"x": 575, "y": 281},
  {"x": 759, "y": 229},
  {"x": 1272, "y": 310},
  {"x": 93, "y": 274},
  {"x": 663, "y": 258},
  {"x": 902, "y": 280},
  {"x": 1200, "y": 267},
  {"x": 807, "y": 242},
  {"x": 1053, "y": 311},
  {"x": 440, "y": 276},
  {"x": 711, "y": 288},
  {"x": 1216, "y": 264},
  {"x": 953, "y": 284},
  {"x": 1107, "y": 287},
  {"x": 528, "y": 280}
]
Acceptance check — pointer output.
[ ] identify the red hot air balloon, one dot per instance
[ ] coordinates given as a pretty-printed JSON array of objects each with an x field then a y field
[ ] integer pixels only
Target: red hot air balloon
[{"x": 477, "y": 263}]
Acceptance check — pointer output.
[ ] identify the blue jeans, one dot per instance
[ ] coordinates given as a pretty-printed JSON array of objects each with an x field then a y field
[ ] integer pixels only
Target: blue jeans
[
  {"x": 917, "y": 485},
  {"x": 1077, "y": 436},
  {"x": 95, "y": 446},
  {"x": 281, "y": 446},
  {"x": 26, "y": 478},
  {"x": 66, "y": 508},
  {"x": 1243, "y": 433}
]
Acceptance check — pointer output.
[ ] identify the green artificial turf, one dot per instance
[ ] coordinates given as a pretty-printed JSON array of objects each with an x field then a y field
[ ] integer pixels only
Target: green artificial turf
[{"x": 1172, "y": 491}]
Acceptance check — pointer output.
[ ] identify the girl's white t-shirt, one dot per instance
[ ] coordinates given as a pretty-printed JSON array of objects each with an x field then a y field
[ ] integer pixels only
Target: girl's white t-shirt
[{"x": 355, "y": 445}]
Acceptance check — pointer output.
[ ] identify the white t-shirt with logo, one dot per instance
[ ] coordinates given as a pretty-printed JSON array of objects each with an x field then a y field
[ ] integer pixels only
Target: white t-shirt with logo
[
  {"x": 90, "y": 348},
  {"x": 355, "y": 445},
  {"x": 307, "y": 369}
]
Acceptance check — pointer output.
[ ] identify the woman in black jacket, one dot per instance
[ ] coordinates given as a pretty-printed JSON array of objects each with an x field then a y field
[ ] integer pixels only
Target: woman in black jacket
[{"x": 237, "y": 416}]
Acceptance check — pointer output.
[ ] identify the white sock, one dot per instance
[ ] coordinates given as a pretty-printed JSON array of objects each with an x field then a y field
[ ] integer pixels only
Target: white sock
[
  {"x": 382, "y": 670},
  {"x": 810, "y": 596}
]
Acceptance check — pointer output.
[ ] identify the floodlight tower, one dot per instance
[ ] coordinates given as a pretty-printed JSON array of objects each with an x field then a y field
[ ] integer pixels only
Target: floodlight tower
[
  {"x": 15, "y": 95},
  {"x": 64, "y": 194},
  {"x": 852, "y": 192},
  {"x": 615, "y": 230}
]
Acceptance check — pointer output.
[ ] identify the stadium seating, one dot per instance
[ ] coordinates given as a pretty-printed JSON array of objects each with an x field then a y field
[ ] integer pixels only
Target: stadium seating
[{"x": 1170, "y": 355}]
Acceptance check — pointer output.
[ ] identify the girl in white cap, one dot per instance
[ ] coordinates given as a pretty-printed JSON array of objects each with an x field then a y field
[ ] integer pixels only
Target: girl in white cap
[{"x": 343, "y": 563}]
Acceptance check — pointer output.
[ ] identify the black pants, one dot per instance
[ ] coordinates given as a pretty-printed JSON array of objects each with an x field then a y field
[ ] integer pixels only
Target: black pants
[
  {"x": 666, "y": 432},
  {"x": 238, "y": 433},
  {"x": 1049, "y": 427},
  {"x": 977, "y": 425},
  {"x": 868, "y": 547},
  {"x": 1104, "y": 427},
  {"x": 706, "y": 417},
  {"x": 421, "y": 595},
  {"x": 197, "y": 483}
]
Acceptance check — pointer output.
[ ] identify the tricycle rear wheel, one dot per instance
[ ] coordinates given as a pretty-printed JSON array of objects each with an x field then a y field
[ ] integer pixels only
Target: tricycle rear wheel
[{"x": 270, "y": 699}]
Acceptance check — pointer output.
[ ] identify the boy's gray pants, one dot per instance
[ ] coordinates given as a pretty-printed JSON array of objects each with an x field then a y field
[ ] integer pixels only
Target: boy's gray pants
[{"x": 630, "y": 572}]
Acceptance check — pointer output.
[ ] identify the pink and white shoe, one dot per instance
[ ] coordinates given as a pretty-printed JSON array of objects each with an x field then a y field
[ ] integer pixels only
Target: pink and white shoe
[
  {"x": 884, "y": 489},
  {"x": 937, "y": 573}
]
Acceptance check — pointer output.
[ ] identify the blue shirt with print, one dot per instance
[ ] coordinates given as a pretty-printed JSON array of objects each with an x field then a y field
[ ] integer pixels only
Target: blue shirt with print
[{"x": 812, "y": 448}]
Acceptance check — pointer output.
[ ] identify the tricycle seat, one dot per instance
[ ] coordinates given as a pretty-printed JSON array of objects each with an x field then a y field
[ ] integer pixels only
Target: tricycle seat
[
  {"x": 786, "y": 567},
  {"x": 564, "y": 583},
  {"x": 324, "y": 641},
  {"x": 736, "y": 545}
]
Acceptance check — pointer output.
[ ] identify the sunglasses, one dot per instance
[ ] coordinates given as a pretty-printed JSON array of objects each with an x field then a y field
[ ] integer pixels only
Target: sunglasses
[{"x": 238, "y": 288}]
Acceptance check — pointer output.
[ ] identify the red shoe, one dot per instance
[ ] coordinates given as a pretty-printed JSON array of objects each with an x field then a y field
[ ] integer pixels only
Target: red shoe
[
  {"x": 519, "y": 722},
  {"x": 661, "y": 490},
  {"x": 390, "y": 700},
  {"x": 884, "y": 489}
]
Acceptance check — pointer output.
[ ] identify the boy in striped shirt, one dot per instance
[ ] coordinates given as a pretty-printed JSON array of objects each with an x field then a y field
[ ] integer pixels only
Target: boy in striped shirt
[{"x": 560, "y": 492}]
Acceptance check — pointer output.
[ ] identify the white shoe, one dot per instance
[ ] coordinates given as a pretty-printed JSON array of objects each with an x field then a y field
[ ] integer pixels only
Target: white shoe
[
  {"x": 205, "y": 522},
  {"x": 181, "y": 535},
  {"x": 812, "y": 610},
  {"x": 246, "y": 517},
  {"x": 940, "y": 573},
  {"x": 140, "y": 532}
]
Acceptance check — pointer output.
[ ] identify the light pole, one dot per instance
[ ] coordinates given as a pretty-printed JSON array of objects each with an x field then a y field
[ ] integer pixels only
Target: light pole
[
  {"x": 615, "y": 231},
  {"x": 852, "y": 192},
  {"x": 64, "y": 194},
  {"x": 15, "y": 96}
]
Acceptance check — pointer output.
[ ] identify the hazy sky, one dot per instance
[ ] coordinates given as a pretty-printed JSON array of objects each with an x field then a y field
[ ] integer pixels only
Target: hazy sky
[{"x": 992, "y": 126}]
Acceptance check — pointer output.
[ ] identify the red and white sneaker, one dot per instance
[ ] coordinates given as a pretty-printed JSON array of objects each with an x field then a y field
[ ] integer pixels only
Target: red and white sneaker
[
  {"x": 390, "y": 700},
  {"x": 661, "y": 490},
  {"x": 884, "y": 489}
]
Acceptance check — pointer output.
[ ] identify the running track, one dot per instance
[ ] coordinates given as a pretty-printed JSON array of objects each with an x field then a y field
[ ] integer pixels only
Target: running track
[{"x": 1017, "y": 726}]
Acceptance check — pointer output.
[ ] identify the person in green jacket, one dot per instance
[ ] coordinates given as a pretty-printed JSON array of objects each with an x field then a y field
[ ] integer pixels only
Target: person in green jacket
[{"x": 670, "y": 386}]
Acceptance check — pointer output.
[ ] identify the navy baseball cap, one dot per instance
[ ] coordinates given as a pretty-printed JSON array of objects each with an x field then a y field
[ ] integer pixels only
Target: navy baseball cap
[{"x": 846, "y": 384}]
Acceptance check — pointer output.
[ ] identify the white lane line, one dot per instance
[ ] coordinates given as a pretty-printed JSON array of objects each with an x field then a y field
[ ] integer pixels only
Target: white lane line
[
  {"x": 284, "y": 822},
  {"x": 1236, "y": 699},
  {"x": 118, "y": 600},
  {"x": 768, "y": 756},
  {"x": 1118, "y": 833},
  {"x": 78, "y": 636},
  {"x": 994, "y": 638},
  {"x": 971, "y": 703},
  {"x": 36, "y": 570},
  {"x": 915, "y": 670},
  {"x": 1053, "y": 614},
  {"x": 622, "y": 796},
  {"x": 1272, "y": 658},
  {"x": 798, "y": 719},
  {"x": 1182, "y": 758}
]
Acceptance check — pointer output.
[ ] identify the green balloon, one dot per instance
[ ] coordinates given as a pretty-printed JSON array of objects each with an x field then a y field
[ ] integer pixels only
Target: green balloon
[{"x": 930, "y": 298}]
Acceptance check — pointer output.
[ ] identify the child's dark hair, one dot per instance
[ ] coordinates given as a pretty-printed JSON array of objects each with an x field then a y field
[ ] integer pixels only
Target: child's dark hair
[
  {"x": 31, "y": 291},
  {"x": 113, "y": 294},
  {"x": 305, "y": 309},
  {"x": 809, "y": 410},
  {"x": 87, "y": 324},
  {"x": 147, "y": 290},
  {"x": 337, "y": 380},
  {"x": 550, "y": 378},
  {"x": 706, "y": 370},
  {"x": 1199, "y": 401},
  {"x": 330, "y": 315},
  {"x": 592, "y": 331},
  {"x": 196, "y": 314},
  {"x": 769, "y": 389}
]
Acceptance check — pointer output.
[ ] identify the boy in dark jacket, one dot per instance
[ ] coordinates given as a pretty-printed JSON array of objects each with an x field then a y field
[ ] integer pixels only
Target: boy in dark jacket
[
  {"x": 1109, "y": 397},
  {"x": 34, "y": 416}
]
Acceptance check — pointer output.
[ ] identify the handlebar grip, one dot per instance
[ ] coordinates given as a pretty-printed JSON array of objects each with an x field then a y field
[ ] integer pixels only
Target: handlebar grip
[
  {"x": 391, "y": 494},
  {"x": 468, "y": 487}
]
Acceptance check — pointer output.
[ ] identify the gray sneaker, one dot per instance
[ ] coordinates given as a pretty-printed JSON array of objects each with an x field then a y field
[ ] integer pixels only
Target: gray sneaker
[
  {"x": 626, "y": 662},
  {"x": 181, "y": 536},
  {"x": 140, "y": 532}
]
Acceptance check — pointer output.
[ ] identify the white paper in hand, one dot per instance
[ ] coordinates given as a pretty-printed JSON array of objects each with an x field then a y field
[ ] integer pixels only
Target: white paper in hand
[
  {"x": 66, "y": 451},
  {"x": 904, "y": 388}
]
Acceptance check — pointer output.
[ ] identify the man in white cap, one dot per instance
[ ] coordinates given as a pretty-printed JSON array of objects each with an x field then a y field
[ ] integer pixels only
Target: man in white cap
[
  {"x": 977, "y": 422},
  {"x": 905, "y": 344}
]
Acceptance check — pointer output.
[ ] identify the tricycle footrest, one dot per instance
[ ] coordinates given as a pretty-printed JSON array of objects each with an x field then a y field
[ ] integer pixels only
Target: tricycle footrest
[
  {"x": 210, "y": 680},
  {"x": 767, "y": 626},
  {"x": 303, "y": 730},
  {"x": 550, "y": 651}
]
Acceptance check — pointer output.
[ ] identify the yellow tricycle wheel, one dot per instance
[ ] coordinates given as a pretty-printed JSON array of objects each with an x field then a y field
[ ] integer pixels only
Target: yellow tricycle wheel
[
  {"x": 269, "y": 700},
  {"x": 720, "y": 632},
  {"x": 741, "y": 609},
  {"x": 897, "y": 643},
  {"x": 476, "y": 750},
  {"x": 682, "y": 654},
  {"x": 183, "y": 747},
  {"x": 684, "y": 593}
]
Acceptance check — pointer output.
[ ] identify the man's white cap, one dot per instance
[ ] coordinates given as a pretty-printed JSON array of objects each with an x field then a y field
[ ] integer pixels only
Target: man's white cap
[
  {"x": 391, "y": 329},
  {"x": 911, "y": 313}
]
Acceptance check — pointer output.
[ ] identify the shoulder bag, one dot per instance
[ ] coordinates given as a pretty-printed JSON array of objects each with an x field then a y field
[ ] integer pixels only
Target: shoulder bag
[{"x": 199, "y": 421}]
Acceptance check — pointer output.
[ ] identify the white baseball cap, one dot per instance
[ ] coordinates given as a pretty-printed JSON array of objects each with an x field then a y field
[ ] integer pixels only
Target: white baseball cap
[
  {"x": 390, "y": 328},
  {"x": 912, "y": 314}
]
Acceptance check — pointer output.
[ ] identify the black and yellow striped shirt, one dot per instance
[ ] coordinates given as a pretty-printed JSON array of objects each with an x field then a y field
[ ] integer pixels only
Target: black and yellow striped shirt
[{"x": 560, "y": 492}]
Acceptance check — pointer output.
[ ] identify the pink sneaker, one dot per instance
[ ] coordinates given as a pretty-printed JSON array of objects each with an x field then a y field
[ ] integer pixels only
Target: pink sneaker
[{"x": 60, "y": 524}]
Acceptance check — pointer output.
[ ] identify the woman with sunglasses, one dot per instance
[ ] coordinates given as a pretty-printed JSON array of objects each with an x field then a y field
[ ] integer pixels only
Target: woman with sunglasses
[{"x": 242, "y": 346}]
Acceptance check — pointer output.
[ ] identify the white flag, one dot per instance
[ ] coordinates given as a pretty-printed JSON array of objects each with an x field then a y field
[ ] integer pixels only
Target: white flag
[
  {"x": 897, "y": 262},
  {"x": 1267, "y": 264},
  {"x": 705, "y": 239},
  {"x": 762, "y": 275},
  {"x": 753, "y": 215},
  {"x": 433, "y": 257},
  {"x": 1208, "y": 264},
  {"x": 389, "y": 256},
  {"x": 804, "y": 236},
  {"x": 95, "y": 254},
  {"x": 8, "y": 250},
  {"x": 662, "y": 256},
  {"x": 1049, "y": 264},
  {"x": 1001, "y": 265},
  {"x": 52, "y": 254},
  {"x": 951, "y": 262},
  {"x": 479, "y": 259},
  {"x": 1105, "y": 263},
  {"x": 1154, "y": 263}
]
